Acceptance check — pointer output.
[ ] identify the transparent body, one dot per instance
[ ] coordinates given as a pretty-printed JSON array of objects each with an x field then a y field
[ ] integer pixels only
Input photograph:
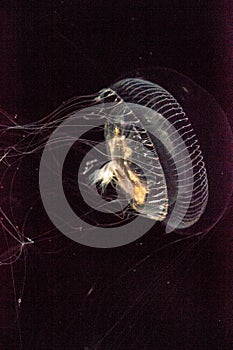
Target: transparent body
[
  {"x": 162, "y": 152},
  {"x": 168, "y": 148}
]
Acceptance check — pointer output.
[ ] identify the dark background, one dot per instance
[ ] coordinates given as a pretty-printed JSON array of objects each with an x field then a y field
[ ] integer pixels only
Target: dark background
[{"x": 138, "y": 296}]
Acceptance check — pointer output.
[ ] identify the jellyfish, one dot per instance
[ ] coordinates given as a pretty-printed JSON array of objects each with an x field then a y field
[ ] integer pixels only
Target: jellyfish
[
  {"x": 153, "y": 149},
  {"x": 150, "y": 153},
  {"x": 166, "y": 149}
]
